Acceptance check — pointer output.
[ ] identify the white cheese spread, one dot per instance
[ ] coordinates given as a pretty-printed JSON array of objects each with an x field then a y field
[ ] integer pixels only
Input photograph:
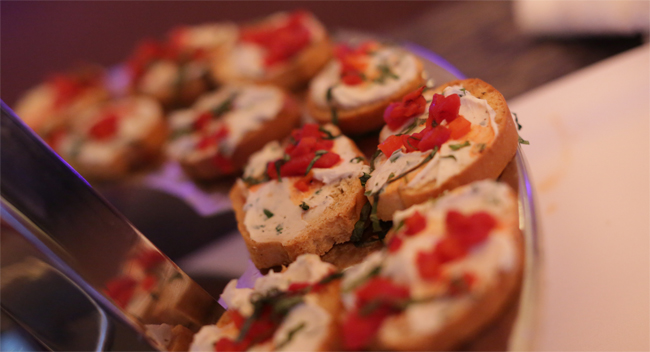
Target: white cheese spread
[{"x": 403, "y": 65}]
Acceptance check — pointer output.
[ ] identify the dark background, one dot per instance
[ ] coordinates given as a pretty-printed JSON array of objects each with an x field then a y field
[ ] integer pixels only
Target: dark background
[{"x": 479, "y": 38}]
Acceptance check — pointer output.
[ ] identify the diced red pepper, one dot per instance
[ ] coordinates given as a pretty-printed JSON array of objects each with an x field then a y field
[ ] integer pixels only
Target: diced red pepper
[
  {"x": 226, "y": 344},
  {"x": 298, "y": 286},
  {"x": 359, "y": 330},
  {"x": 390, "y": 145},
  {"x": 351, "y": 78},
  {"x": 202, "y": 121},
  {"x": 414, "y": 224},
  {"x": 413, "y": 104},
  {"x": 360, "y": 327},
  {"x": 281, "y": 42},
  {"x": 450, "y": 249},
  {"x": 382, "y": 289},
  {"x": 213, "y": 139},
  {"x": 105, "y": 128},
  {"x": 470, "y": 230},
  {"x": 303, "y": 183},
  {"x": 443, "y": 108},
  {"x": 428, "y": 264},
  {"x": 435, "y": 137},
  {"x": 459, "y": 127},
  {"x": 236, "y": 318},
  {"x": 66, "y": 88},
  {"x": 395, "y": 244}
]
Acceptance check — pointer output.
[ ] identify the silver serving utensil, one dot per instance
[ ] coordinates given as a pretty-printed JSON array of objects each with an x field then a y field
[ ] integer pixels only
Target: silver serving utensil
[{"x": 76, "y": 275}]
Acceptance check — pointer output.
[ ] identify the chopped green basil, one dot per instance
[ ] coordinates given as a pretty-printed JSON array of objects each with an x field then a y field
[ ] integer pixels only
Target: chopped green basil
[
  {"x": 290, "y": 336},
  {"x": 268, "y": 213},
  {"x": 481, "y": 147},
  {"x": 225, "y": 106},
  {"x": 328, "y": 133},
  {"x": 394, "y": 156},
  {"x": 360, "y": 225},
  {"x": 372, "y": 160},
  {"x": 278, "y": 229},
  {"x": 517, "y": 121},
  {"x": 357, "y": 159},
  {"x": 384, "y": 73},
  {"x": 426, "y": 160},
  {"x": 449, "y": 157},
  {"x": 458, "y": 146},
  {"x": 523, "y": 141},
  {"x": 319, "y": 153},
  {"x": 304, "y": 206},
  {"x": 364, "y": 178}
]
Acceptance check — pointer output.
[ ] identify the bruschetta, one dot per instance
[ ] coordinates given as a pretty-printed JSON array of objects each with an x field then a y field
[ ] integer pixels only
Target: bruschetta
[
  {"x": 175, "y": 76},
  {"x": 52, "y": 104},
  {"x": 436, "y": 140},
  {"x": 284, "y": 49},
  {"x": 112, "y": 139},
  {"x": 220, "y": 132},
  {"x": 303, "y": 196},
  {"x": 450, "y": 267},
  {"x": 295, "y": 310},
  {"x": 355, "y": 88}
]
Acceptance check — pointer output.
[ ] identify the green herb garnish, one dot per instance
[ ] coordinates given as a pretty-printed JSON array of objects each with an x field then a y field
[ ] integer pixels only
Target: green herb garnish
[
  {"x": 364, "y": 178},
  {"x": 304, "y": 206},
  {"x": 384, "y": 73},
  {"x": 395, "y": 156},
  {"x": 426, "y": 160},
  {"x": 328, "y": 97},
  {"x": 268, "y": 213},
  {"x": 458, "y": 146},
  {"x": 517, "y": 121},
  {"x": 372, "y": 160},
  {"x": 376, "y": 226},
  {"x": 357, "y": 159},
  {"x": 279, "y": 229},
  {"x": 523, "y": 141},
  {"x": 360, "y": 225},
  {"x": 225, "y": 106},
  {"x": 319, "y": 153},
  {"x": 481, "y": 147},
  {"x": 328, "y": 133},
  {"x": 448, "y": 157},
  {"x": 290, "y": 336}
]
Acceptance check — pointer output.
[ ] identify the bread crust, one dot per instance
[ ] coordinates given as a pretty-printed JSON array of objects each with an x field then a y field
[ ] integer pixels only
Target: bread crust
[
  {"x": 292, "y": 75},
  {"x": 334, "y": 226},
  {"x": 489, "y": 165},
  {"x": 369, "y": 117},
  {"x": 275, "y": 129}
]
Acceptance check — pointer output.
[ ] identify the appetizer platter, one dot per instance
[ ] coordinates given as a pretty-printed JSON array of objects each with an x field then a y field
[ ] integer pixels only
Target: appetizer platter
[{"x": 383, "y": 196}]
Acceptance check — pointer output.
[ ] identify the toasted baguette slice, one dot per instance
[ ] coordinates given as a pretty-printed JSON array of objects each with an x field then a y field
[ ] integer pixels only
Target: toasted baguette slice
[
  {"x": 279, "y": 221},
  {"x": 452, "y": 266},
  {"x": 111, "y": 140},
  {"x": 244, "y": 62},
  {"x": 482, "y": 153},
  {"x": 310, "y": 324},
  {"x": 390, "y": 73},
  {"x": 224, "y": 128}
]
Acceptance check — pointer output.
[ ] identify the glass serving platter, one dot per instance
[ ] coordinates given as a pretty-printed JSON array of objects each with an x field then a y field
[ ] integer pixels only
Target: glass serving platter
[{"x": 181, "y": 216}]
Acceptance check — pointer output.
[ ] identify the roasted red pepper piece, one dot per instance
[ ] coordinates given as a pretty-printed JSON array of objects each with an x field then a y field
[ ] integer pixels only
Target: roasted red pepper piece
[
  {"x": 390, "y": 145},
  {"x": 459, "y": 127},
  {"x": 472, "y": 229},
  {"x": 413, "y": 104},
  {"x": 105, "y": 128},
  {"x": 434, "y": 137},
  {"x": 414, "y": 224},
  {"x": 443, "y": 108},
  {"x": 395, "y": 244}
]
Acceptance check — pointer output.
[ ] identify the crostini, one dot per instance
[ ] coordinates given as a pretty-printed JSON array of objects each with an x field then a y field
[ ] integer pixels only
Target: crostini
[
  {"x": 295, "y": 310},
  {"x": 52, "y": 104},
  {"x": 284, "y": 49},
  {"x": 112, "y": 139},
  {"x": 436, "y": 140},
  {"x": 355, "y": 88},
  {"x": 450, "y": 267},
  {"x": 300, "y": 197},
  {"x": 173, "y": 72},
  {"x": 223, "y": 128}
]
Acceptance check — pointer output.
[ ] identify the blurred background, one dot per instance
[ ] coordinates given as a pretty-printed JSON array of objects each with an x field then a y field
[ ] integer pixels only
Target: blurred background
[
  {"x": 515, "y": 46},
  {"x": 560, "y": 64}
]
